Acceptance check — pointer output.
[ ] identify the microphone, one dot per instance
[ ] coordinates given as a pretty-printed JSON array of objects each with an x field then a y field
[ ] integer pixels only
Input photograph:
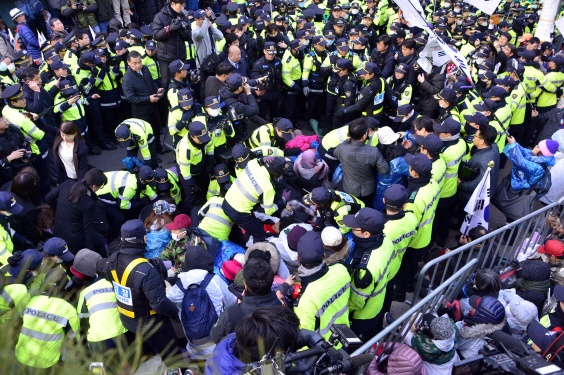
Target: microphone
[
  {"x": 351, "y": 363},
  {"x": 509, "y": 342}
]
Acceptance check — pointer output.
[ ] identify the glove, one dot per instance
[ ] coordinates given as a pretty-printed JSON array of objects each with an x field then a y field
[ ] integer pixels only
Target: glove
[
  {"x": 209, "y": 170},
  {"x": 144, "y": 201},
  {"x": 175, "y": 25},
  {"x": 514, "y": 263},
  {"x": 306, "y": 91},
  {"x": 296, "y": 87},
  {"x": 286, "y": 195},
  {"x": 196, "y": 189},
  {"x": 268, "y": 159},
  {"x": 186, "y": 116},
  {"x": 115, "y": 70}
]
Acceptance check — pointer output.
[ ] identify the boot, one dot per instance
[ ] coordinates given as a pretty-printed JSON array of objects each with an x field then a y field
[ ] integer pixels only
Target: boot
[{"x": 315, "y": 126}]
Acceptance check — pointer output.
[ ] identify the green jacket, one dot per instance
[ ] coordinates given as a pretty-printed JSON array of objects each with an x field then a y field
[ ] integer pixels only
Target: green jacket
[
  {"x": 84, "y": 18},
  {"x": 175, "y": 251}
]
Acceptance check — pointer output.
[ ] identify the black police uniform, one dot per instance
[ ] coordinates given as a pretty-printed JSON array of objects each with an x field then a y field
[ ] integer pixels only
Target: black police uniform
[
  {"x": 269, "y": 100},
  {"x": 341, "y": 93}
]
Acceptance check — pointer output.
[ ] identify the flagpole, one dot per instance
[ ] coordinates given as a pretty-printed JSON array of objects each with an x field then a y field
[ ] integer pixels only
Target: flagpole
[{"x": 491, "y": 164}]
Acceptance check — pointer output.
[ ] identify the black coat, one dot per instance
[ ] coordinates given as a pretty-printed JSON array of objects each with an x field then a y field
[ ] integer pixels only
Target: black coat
[
  {"x": 74, "y": 223},
  {"x": 80, "y": 160},
  {"x": 480, "y": 159},
  {"x": 170, "y": 44},
  {"x": 241, "y": 109},
  {"x": 138, "y": 89},
  {"x": 11, "y": 140},
  {"x": 24, "y": 222},
  {"x": 146, "y": 10},
  {"x": 213, "y": 85},
  {"x": 432, "y": 85}
]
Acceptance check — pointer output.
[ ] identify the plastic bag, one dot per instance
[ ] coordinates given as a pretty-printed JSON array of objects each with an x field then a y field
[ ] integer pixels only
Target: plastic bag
[
  {"x": 131, "y": 162},
  {"x": 337, "y": 176},
  {"x": 398, "y": 174},
  {"x": 156, "y": 242},
  {"x": 352, "y": 246}
]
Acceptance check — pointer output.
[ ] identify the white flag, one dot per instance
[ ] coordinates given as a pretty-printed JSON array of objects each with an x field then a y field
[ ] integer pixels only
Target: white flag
[
  {"x": 432, "y": 54},
  {"x": 456, "y": 57},
  {"x": 413, "y": 13},
  {"x": 41, "y": 38},
  {"x": 12, "y": 39},
  {"x": 478, "y": 207},
  {"x": 92, "y": 32},
  {"x": 559, "y": 23},
  {"x": 486, "y": 6}
]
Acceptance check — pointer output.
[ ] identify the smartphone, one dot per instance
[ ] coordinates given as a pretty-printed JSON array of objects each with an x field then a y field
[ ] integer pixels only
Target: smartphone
[{"x": 97, "y": 367}]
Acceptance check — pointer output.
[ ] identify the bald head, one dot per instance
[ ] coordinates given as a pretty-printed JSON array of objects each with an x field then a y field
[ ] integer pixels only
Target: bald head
[{"x": 234, "y": 54}]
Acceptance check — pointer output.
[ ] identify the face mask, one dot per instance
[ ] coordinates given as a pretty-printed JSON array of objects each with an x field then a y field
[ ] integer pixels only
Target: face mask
[
  {"x": 34, "y": 273},
  {"x": 483, "y": 24},
  {"x": 301, "y": 4},
  {"x": 459, "y": 22},
  {"x": 176, "y": 236},
  {"x": 481, "y": 71},
  {"x": 12, "y": 67},
  {"x": 447, "y": 5},
  {"x": 347, "y": 16},
  {"x": 443, "y": 106},
  {"x": 306, "y": 43},
  {"x": 456, "y": 10},
  {"x": 58, "y": 260},
  {"x": 354, "y": 11},
  {"x": 330, "y": 42},
  {"x": 480, "y": 60},
  {"x": 215, "y": 112}
]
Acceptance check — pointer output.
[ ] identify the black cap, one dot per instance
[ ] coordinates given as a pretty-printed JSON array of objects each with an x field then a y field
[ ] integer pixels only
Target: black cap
[
  {"x": 529, "y": 56},
  {"x": 558, "y": 60},
  {"x": 161, "y": 181},
  {"x": 146, "y": 173},
  {"x": 185, "y": 99},
  {"x": 431, "y": 142},
  {"x": 495, "y": 91},
  {"x": 112, "y": 37},
  {"x": 234, "y": 81},
  {"x": 133, "y": 230},
  {"x": 69, "y": 38},
  {"x": 50, "y": 54},
  {"x": 99, "y": 52},
  {"x": 449, "y": 125},
  {"x": 123, "y": 135},
  {"x": 198, "y": 129},
  {"x": 285, "y": 126},
  {"x": 212, "y": 102},
  {"x": 367, "y": 219},
  {"x": 146, "y": 30},
  {"x": 120, "y": 44},
  {"x": 372, "y": 123},
  {"x": 151, "y": 45},
  {"x": 395, "y": 195},
  {"x": 487, "y": 105},
  {"x": 419, "y": 163},
  {"x": 67, "y": 88},
  {"x": 13, "y": 92},
  {"x": 57, "y": 246},
  {"x": 276, "y": 165},
  {"x": 343, "y": 44},
  {"x": 296, "y": 44},
  {"x": 232, "y": 6},
  {"x": 447, "y": 94},
  {"x": 488, "y": 74},
  {"x": 402, "y": 68},
  {"x": 559, "y": 293},
  {"x": 542, "y": 336},
  {"x": 177, "y": 66},
  {"x": 8, "y": 203},
  {"x": 221, "y": 173},
  {"x": 90, "y": 57},
  {"x": 270, "y": 48},
  {"x": 310, "y": 248},
  {"x": 241, "y": 155},
  {"x": 318, "y": 40},
  {"x": 477, "y": 118},
  {"x": 99, "y": 42},
  {"x": 344, "y": 64},
  {"x": 59, "y": 47},
  {"x": 368, "y": 68},
  {"x": 403, "y": 110},
  {"x": 318, "y": 196},
  {"x": 520, "y": 69}
]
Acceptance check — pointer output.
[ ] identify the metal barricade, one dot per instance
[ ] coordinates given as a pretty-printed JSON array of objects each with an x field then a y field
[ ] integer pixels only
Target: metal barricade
[
  {"x": 396, "y": 332},
  {"x": 495, "y": 251}
]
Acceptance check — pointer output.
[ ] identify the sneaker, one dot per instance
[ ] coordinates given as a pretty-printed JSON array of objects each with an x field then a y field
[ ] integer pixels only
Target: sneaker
[{"x": 108, "y": 146}]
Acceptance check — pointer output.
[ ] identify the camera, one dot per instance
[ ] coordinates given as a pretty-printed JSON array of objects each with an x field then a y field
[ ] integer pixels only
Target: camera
[
  {"x": 195, "y": 75},
  {"x": 212, "y": 16},
  {"x": 79, "y": 4}
]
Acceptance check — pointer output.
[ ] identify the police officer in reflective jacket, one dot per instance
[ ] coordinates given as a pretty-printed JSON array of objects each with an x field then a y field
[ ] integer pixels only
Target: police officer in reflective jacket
[
  {"x": 341, "y": 92},
  {"x": 269, "y": 66},
  {"x": 372, "y": 94}
]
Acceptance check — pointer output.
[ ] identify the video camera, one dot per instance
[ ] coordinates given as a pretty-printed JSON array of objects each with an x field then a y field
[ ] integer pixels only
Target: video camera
[
  {"x": 321, "y": 357},
  {"x": 508, "y": 356}
]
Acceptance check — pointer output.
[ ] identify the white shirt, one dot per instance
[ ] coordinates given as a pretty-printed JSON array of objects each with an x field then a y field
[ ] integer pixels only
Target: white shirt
[{"x": 66, "y": 155}]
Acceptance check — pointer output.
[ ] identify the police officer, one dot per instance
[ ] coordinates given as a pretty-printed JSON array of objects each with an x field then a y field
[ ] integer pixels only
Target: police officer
[
  {"x": 400, "y": 228},
  {"x": 452, "y": 153},
  {"x": 110, "y": 101},
  {"x": 313, "y": 82},
  {"x": 324, "y": 297},
  {"x": 341, "y": 93},
  {"x": 547, "y": 100},
  {"x": 241, "y": 157},
  {"x": 137, "y": 134},
  {"x": 401, "y": 93},
  {"x": 447, "y": 102},
  {"x": 502, "y": 110},
  {"x": 332, "y": 206},
  {"x": 271, "y": 135},
  {"x": 518, "y": 102},
  {"x": 135, "y": 37},
  {"x": 269, "y": 66},
  {"x": 179, "y": 81},
  {"x": 8, "y": 205},
  {"x": 166, "y": 185},
  {"x": 371, "y": 97},
  {"x": 123, "y": 192},
  {"x": 140, "y": 292},
  {"x": 151, "y": 61},
  {"x": 253, "y": 185},
  {"x": 193, "y": 165},
  {"x": 71, "y": 44},
  {"x": 487, "y": 108},
  {"x": 370, "y": 267},
  {"x": 221, "y": 177},
  {"x": 234, "y": 107},
  {"x": 183, "y": 114},
  {"x": 431, "y": 146},
  {"x": 291, "y": 77},
  {"x": 423, "y": 196},
  {"x": 46, "y": 320},
  {"x": 219, "y": 126},
  {"x": 213, "y": 219}
]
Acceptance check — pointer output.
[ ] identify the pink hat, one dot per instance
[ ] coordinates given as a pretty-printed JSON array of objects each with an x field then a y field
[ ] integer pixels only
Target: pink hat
[
  {"x": 308, "y": 159},
  {"x": 548, "y": 147},
  {"x": 230, "y": 269}
]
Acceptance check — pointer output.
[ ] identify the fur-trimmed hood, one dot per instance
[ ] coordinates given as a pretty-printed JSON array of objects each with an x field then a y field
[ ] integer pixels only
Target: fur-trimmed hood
[
  {"x": 336, "y": 256},
  {"x": 479, "y": 331},
  {"x": 298, "y": 206}
]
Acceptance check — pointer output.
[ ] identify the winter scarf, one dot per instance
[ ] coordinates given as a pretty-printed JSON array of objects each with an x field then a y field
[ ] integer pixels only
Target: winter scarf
[
  {"x": 428, "y": 350},
  {"x": 416, "y": 183},
  {"x": 536, "y": 286}
]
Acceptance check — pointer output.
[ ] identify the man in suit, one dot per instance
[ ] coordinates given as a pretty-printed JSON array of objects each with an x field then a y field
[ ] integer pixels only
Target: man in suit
[{"x": 239, "y": 64}]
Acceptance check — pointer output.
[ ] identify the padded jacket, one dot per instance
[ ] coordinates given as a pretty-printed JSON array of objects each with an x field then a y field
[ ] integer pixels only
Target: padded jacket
[{"x": 170, "y": 44}]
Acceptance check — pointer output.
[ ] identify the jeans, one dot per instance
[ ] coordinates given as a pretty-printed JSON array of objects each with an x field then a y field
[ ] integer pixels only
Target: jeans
[{"x": 103, "y": 26}]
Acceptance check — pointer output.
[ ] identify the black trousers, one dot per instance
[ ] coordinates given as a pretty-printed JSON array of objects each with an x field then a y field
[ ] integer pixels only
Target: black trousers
[
  {"x": 247, "y": 221},
  {"x": 162, "y": 342},
  {"x": 111, "y": 117},
  {"x": 94, "y": 118},
  {"x": 154, "y": 119},
  {"x": 268, "y": 102},
  {"x": 441, "y": 223},
  {"x": 331, "y": 104},
  {"x": 165, "y": 74},
  {"x": 116, "y": 218},
  {"x": 289, "y": 105},
  {"x": 366, "y": 329},
  {"x": 316, "y": 106},
  {"x": 405, "y": 278}
]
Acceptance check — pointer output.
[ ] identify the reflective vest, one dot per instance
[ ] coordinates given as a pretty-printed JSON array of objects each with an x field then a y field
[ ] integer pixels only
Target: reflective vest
[
  {"x": 439, "y": 171},
  {"x": 141, "y": 136},
  {"x": 98, "y": 304},
  {"x": 82, "y": 74},
  {"x": 121, "y": 188},
  {"x": 367, "y": 302},
  {"x": 325, "y": 301},
  {"x": 70, "y": 59},
  {"x": 291, "y": 69},
  {"x": 13, "y": 295},
  {"x": 15, "y": 117},
  {"x": 452, "y": 156},
  {"x": 130, "y": 302},
  {"x": 74, "y": 112},
  {"x": 137, "y": 48},
  {"x": 423, "y": 203},
  {"x": 534, "y": 80},
  {"x": 348, "y": 205},
  {"x": 45, "y": 320},
  {"x": 311, "y": 72},
  {"x": 401, "y": 94},
  {"x": 218, "y": 135},
  {"x": 179, "y": 128},
  {"x": 335, "y": 138},
  {"x": 215, "y": 222},
  {"x": 6, "y": 245},
  {"x": 400, "y": 229},
  {"x": 547, "y": 99},
  {"x": 213, "y": 188},
  {"x": 501, "y": 136},
  {"x": 518, "y": 105},
  {"x": 248, "y": 188},
  {"x": 153, "y": 65},
  {"x": 189, "y": 158},
  {"x": 263, "y": 136}
]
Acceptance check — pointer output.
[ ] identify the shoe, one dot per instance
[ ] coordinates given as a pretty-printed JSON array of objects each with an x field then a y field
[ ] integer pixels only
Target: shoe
[
  {"x": 115, "y": 142},
  {"x": 315, "y": 126},
  {"x": 108, "y": 146},
  {"x": 398, "y": 298},
  {"x": 94, "y": 151},
  {"x": 389, "y": 318}
]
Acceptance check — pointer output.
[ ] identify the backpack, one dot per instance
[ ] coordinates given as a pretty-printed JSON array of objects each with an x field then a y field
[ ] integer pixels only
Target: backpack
[{"x": 198, "y": 312}]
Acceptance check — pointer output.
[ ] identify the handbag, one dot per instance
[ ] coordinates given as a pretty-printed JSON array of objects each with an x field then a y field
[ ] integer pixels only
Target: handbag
[{"x": 468, "y": 172}]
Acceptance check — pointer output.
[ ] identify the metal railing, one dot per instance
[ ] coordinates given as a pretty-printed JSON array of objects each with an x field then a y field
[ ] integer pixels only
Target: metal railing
[
  {"x": 495, "y": 251},
  {"x": 396, "y": 332}
]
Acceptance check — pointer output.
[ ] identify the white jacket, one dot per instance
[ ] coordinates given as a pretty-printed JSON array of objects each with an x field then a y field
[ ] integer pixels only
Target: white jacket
[
  {"x": 289, "y": 256},
  {"x": 220, "y": 296},
  {"x": 556, "y": 191}
]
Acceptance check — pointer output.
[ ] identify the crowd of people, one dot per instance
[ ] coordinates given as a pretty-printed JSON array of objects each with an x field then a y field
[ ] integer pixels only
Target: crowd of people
[{"x": 317, "y": 162}]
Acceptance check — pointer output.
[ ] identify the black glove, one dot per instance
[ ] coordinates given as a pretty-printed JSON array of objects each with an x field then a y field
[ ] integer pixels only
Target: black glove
[
  {"x": 209, "y": 170},
  {"x": 175, "y": 25},
  {"x": 94, "y": 71},
  {"x": 340, "y": 112},
  {"x": 144, "y": 201},
  {"x": 559, "y": 92},
  {"x": 116, "y": 70},
  {"x": 514, "y": 263},
  {"x": 186, "y": 116},
  {"x": 196, "y": 189},
  {"x": 316, "y": 63},
  {"x": 294, "y": 151},
  {"x": 319, "y": 224}
]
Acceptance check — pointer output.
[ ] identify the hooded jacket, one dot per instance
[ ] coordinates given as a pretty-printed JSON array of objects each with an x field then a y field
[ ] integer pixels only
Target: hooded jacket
[
  {"x": 289, "y": 256},
  {"x": 198, "y": 263},
  {"x": 170, "y": 44},
  {"x": 223, "y": 360},
  {"x": 557, "y": 172},
  {"x": 402, "y": 361},
  {"x": 527, "y": 168}
]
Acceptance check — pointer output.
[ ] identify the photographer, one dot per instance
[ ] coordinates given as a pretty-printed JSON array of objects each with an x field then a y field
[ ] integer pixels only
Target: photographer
[
  {"x": 12, "y": 151},
  {"x": 234, "y": 107},
  {"x": 170, "y": 31},
  {"x": 203, "y": 34}
]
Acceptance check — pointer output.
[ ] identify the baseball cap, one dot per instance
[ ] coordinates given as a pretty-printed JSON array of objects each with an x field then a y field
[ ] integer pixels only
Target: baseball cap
[
  {"x": 318, "y": 40},
  {"x": 368, "y": 68},
  {"x": 343, "y": 44},
  {"x": 395, "y": 195},
  {"x": 161, "y": 181},
  {"x": 419, "y": 163},
  {"x": 212, "y": 102},
  {"x": 489, "y": 75},
  {"x": 344, "y": 64},
  {"x": 151, "y": 45},
  {"x": 527, "y": 55},
  {"x": 495, "y": 91},
  {"x": 133, "y": 230},
  {"x": 198, "y": 129},
  {"x": 310, "y": 248},
  {"x": 449, "y": 125},
  {"x": 402, "y": 68},
  {"x": 296, "y": 44},
  {"x": 372, "y": 123},
  {"x": 136, "y": 34},
  {"x": 57, "y": 246},
  {"x": 177, "y": 66},
  {"x": 559, "y": 293},
  {"x": 99, "y": 52},
  {"x": 520, "y": 69},
  {"x": 477, "y": 118},
  {"x": 120, "y": 44},
  {"x": 240, "y": 155},
  {"x": 199, "y": 14},
  {"x": 185, "y": 99},
  {"x": 235, "y": 81},
  {"x": 8, "y": 203},
  {"x": 221, "y": 173},
  {"x": 431, "y": 142},
  {"x": 329, "y": 34},
  {"x": 487, "y": 105},
  {"x": 180, "y": 221},
  {"x": 123, "y": 135},
  {"x": 367, "y": 219},
  {"x": 447, "y": 94},
  {"x": 558, "y": 60},
  {"x": 353, "y": 31},
  {"x": 552, "y": 247},
  {"x": 270, "y": 48},
  {"x": 90, "y": 57},
  {"x": 276, "y": 165},
  {"x": 146, "y": 173},
  {"x": 505, "y": 81},
  {"x": 403, "y": 110},
  {"x": 285, "y": 126},
  {"x": 66, "y": 87},
  {"x": 318, "y": 196}
]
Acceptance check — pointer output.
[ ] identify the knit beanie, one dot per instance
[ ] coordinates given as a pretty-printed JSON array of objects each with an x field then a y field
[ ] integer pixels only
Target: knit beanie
[
  {"x": 521, "y": 312},
  {"x": 548, "y": 147},
  {"x": 294, "y": 236},
  {"x": 308, "y": 159},
  {"x": 442, "y": 328},
  {"x": 333, "y": 239}
]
